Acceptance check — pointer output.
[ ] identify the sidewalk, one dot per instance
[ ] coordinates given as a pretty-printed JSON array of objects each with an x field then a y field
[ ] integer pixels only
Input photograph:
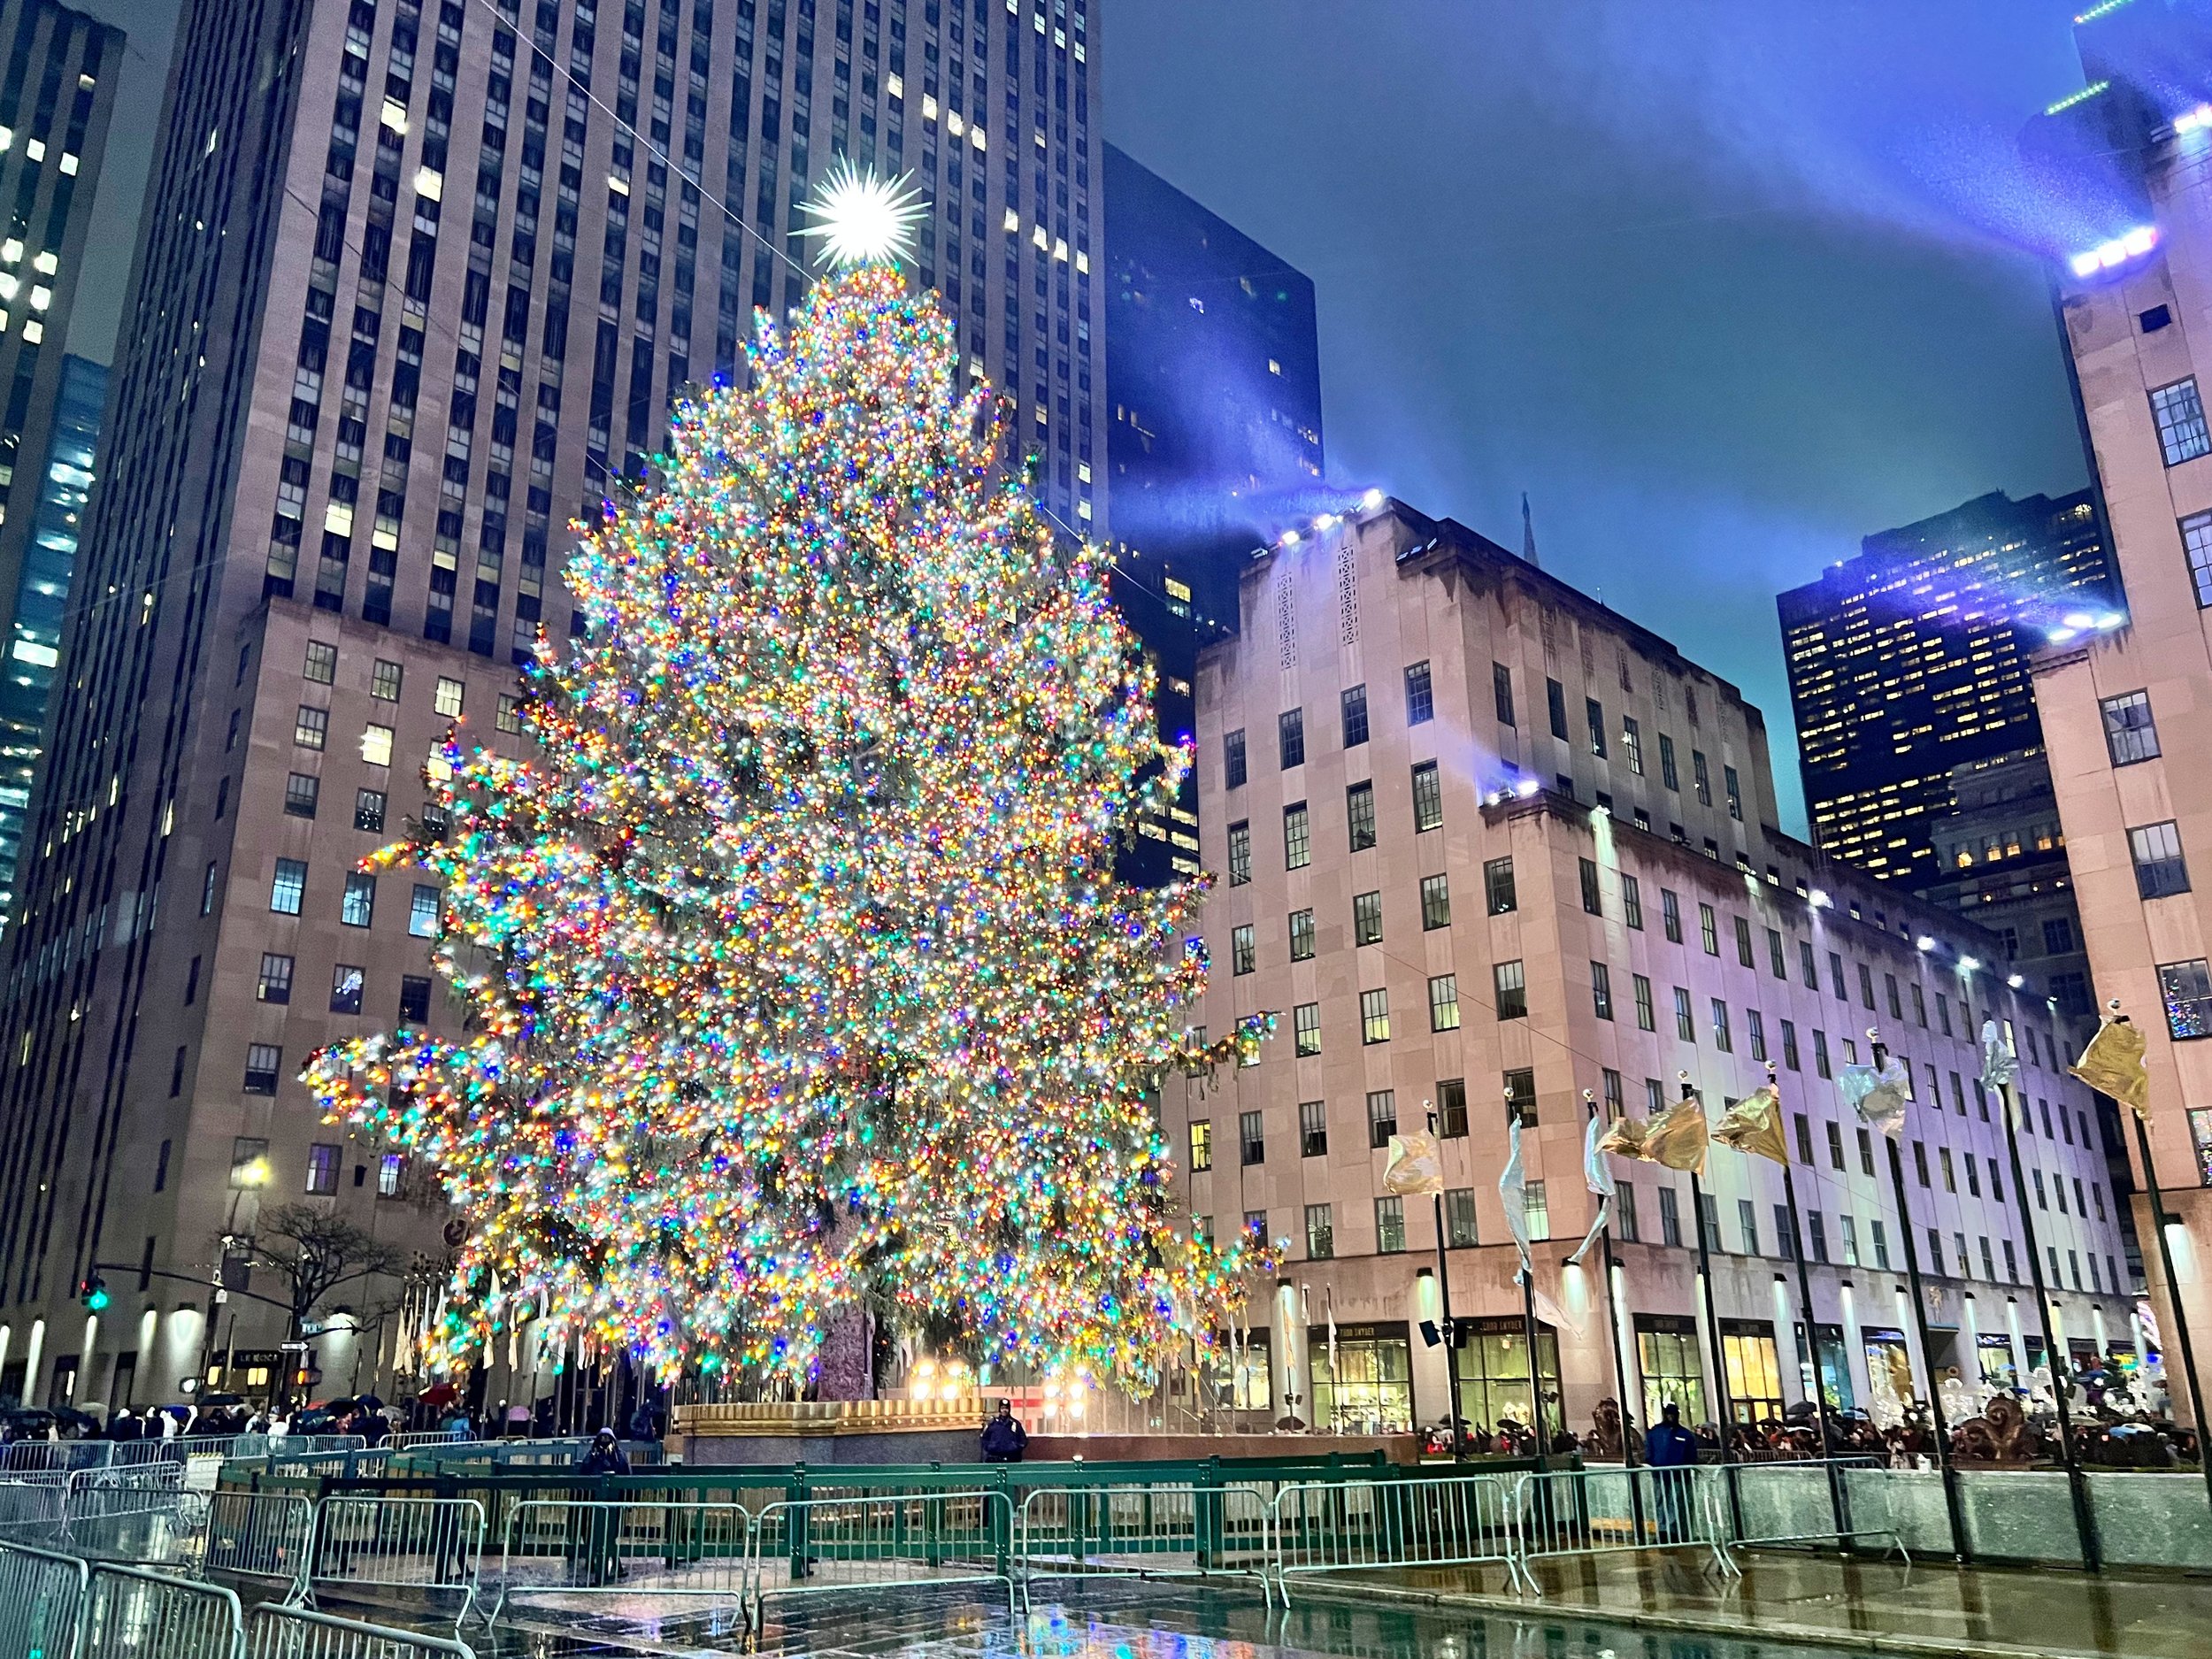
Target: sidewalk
[{"x": 1862, "y": 1605}]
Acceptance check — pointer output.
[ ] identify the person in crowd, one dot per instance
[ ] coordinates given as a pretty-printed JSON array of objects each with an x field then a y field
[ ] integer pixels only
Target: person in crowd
[
  {"x": 1672, "y": 1451},
  {"x": 1004, "y": 1439}
]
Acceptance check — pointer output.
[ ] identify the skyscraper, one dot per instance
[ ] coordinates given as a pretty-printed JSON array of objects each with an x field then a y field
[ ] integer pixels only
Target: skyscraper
[
  {"x": 1214, "y": 372},
  {"x": 57, "y": 73},
  {"x": 1911, "y": 659},
  {"x": 49, "y": 533},
  {"x": 420, "y": 280}
]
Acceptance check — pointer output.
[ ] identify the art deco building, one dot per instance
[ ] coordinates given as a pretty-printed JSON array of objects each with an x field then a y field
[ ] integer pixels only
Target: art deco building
[
  {"x": 419, "y": 283},
  {"x": 1484, "y": 844}
]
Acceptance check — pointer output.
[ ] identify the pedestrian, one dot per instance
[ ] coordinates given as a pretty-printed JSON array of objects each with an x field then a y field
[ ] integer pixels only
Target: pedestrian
[
  {"x": 1672, "y": 1451},
  {"x": 1004, "y": 1439},
  {"x": 596, "y": 1529}
]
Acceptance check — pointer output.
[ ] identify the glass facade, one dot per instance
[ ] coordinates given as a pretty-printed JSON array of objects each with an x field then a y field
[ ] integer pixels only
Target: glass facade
[
  {"x": 1362, "y": 1383},
  {"x": 1493, "y": 1365}
]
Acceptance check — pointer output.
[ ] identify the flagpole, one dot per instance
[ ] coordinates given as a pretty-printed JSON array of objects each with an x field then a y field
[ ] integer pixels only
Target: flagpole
[
  {"x": 2173, "y": 1288},
  {"x": 2085, "y": 1525},
  {"x": 1528, "y": 1327},
  {"x": 1951, "y": 1502},
  {"x": 1724, "y": 1414},
  {"x": 1444, "y": 1300},
  {"x": 1812, "y": 1325},
  {"x": 1613, "y": 1331}
]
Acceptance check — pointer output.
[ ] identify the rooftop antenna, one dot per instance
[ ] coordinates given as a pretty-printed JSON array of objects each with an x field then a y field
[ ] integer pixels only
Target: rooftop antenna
[{"x": 1528, "y": 533}]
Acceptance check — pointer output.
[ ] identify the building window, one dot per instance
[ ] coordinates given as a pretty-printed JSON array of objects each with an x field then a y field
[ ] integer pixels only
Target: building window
[
  {"x": 322, "y": 1169},
  {"x": 1390, "y": 1224},
  {"x": 508, "y": 717},
  {"x": 1593, "y": 900},
  {"x": 357, "y": 908},
  {"x": 447, "y": 698},
  {"x": 1820, "y": 1052},
  {"x": 1502, "y": 691},
  {"x": 1755, "y": 1031},
  {"x": 1593, "y": 717},
  {"x": 2196, "y": 540},
  {"x": 264, "y": 1061},
  {"x": 2159, "y": 870},
  {"x": 1305, "y": 1021},
  {"x": 1459, "y": 1218},
  {"x": 1451, "y": 1108},
  {"x": 1297, "y": 837},
  {"x": 391, "y": 1170},
  {"x": 1743, "y": 940},
  {"x": 1601, "y": 990},
  {"x": 1669, "y": 1217},
  {"x": 1685, "y": 1022},
  {"x": 384, "y": 680},
  {"x": 1556, "y": 705},
  {"x": 345, "y": 988},
  {"x": 1302, "y": 935},
  {"x": 422, "y": 912},
  {"x": 2129, "y": 735},
  {"x": 1537, "y": 1208},
  {"x": 1704, "y": 778},
  {"x": 1367, "y": 918},
  {"x": 376, "y": 745},
  {"x": 1721, "y": 1039},
  {"x": 322, "y": 662},
  {"x": 1748, "y": 1218},
  {"x": 311, "y": 726},
  {"x": 2180, "y": 414},
  {"x": 285, "y": 889},
  {"x": 1878, "y": 1237},
  {"x": 1251, "y": 1139},
  {"x": 1243, "y": 953},
  {"x": 368, "y": 810},
  {"x": 1497, "y": 886},
  {"x": 249, "y": 1161},
  {"x": 1202, "y": 1147},
  {"x": 301, "y": 795},
  {"x": 1290, "y": 731},
  {"x": 1733, "y": 790},
  {"x": 1374, "y": 1017},
  {"x": 1355, "y": 717},
  {"x": 1320, "y": 1231},
  {"x": 1668, "y": 775},
  {"x": 1359, "y": 813},
  {"x": 1382, "y": 1116},
  {"x": 1420, "y": 695},
  {"x": 1436, "y": 903},
  {"x": 1709, "y": 929},
  {"x": 276, "y": 979},
  {"x": 1645, "y": 1020},
  {"x": 1240, "y": 853},
  {"x": 1444, "y": 1003},
  {"x": 1670, "y": 914},
  {"x": 1313, "y": 1128},
  {"x": 1520, "y": 1094},
  {"x": 1789, "y": 1045},
  {"x": 1632, "y": 744},
  {"x": 1428, "y": 798},
  {"x": 1509, "y": 985},
  {"x": 1233, "y": 759},
  {"x": 414, "y": 998},
  {"x": 2185, "y": 988}
]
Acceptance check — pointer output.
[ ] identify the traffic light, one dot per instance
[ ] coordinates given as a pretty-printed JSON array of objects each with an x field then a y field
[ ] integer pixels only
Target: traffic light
[{"x": 95, "y": 1292}]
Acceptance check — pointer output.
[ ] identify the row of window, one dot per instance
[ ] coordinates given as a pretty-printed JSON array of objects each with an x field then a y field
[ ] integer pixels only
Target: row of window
[
  {"x": 347, "y": 980},
  {"x": 250, "y": 1168},
  {"x": 356, "y": 905}
]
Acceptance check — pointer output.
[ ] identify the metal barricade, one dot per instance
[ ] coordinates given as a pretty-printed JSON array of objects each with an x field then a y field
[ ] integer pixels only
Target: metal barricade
[
  {"x": 1419, "y": 1521},
  {"x": 31, "y": 1505},
  {"x": 132, "y": 1513},
  {"x": 815, "y": 1546},
  {"x": 1599, "y": 1511},
  {"x": 298, "y": 1632},
  {"x": 1805, "y": 1501},
  {"x": 133, "y": 1614},
  {"x": 1142, "y": 1532},
  {"x": 428, "y": 1546},
  {"x": 267, "y": 1536},
  {"x": 41, "y": 1601},
  {"x": 30, "y": 1456},
  {"x": 558, "y": 1547}
]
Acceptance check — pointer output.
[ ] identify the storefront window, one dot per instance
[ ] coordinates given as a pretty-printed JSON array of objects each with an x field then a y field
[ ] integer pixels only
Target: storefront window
[
  {"x": 1365, "y": 1385},
  {"x": 1889, "y": 1375},
  {"x": 1835, "y": 1367},
  {"x": 1753, "y": 1368},
  {"x": 1494, "y": 1375},
  {"x": 1242, "y": 1379},
  {"x": 1674, "y": 1375},
  {"x": 1995, "y": 1354}
]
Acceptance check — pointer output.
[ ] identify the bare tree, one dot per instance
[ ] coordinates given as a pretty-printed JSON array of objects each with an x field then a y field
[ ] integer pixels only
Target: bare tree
[{"x": 317, "y": 1253}]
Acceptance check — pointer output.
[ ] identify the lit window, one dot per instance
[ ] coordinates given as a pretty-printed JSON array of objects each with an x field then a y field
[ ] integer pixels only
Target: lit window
[
  {"x": 391, "y": 1169},
  {"x": 509, "y": 717},
  {"x": 2129, "y": 734},
  {"x": 357, "y": 907},
  {"x": 345, "y": 988},
  {"x": 285, "y": 890},
  {"x": 1374, "y": 1017},
  {"x": 385, "y": 680},
  {"x": 2179, "y": 413},
  {"x": 322, "y": 662},
  {"x": 448, "y": 699},
  {"x": 322, "y": 1169},
  {"x": 2160, "y": 869},
  {"x": 376, "y": 745},
  {"x": 311, "y": 726},
  {"x": 422, "y": 912},
  {"x": 275, "y": 983}
]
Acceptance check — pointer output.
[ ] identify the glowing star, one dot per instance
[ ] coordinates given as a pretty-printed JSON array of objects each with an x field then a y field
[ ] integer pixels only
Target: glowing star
[{"x": 862, "y": 219}]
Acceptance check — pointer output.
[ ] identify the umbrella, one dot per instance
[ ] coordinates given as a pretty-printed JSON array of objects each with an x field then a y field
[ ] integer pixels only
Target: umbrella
[{"x": 440, "y": 1394}]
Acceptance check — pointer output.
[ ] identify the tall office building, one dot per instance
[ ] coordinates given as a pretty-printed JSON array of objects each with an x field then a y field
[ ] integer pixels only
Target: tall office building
[
  {"x": 1911, "y": 659},
  {"x": 1213, "y": 369},
  {"x": 418, "y": 281},
  {"x": 2126, "y": 165},
  {"x": 58, "y": 74},
  {"x": 48, "y": 561},
  {"x": 1484, "y": 845}
]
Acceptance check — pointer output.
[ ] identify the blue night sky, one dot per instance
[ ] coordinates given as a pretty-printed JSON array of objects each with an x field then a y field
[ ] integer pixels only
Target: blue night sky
[{"x": 1723, "y": 286}]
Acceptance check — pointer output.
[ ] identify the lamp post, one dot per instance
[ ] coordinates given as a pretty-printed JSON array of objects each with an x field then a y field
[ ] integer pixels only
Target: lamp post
[
  {"x": 1613, "y": 1320},
  {"x": 1444, "y": 1310}
]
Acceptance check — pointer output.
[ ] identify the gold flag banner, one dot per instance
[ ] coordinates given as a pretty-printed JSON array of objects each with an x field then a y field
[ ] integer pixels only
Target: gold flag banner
[
  {"x": 2113, "y": 1065},
  {"x": 1416, "y": 1166},
  {"x": 1753, "y": 1124},
  {"x": 1678, "y": 1137},
  {"x": 1626, "y": 1139}
]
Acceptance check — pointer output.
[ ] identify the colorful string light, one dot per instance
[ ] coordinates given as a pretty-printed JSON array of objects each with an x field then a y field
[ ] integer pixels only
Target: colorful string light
[{"x": 798, "y": 978}]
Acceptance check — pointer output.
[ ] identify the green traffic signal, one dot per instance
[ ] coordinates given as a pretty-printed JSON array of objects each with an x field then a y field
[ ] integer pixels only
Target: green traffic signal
[{"x": 96, "y": 1294}]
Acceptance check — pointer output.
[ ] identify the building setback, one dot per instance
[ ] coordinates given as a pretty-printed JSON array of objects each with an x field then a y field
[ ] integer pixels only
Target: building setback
[
  {"x": 1484, "y": 844},
  {"x": 2123, "y": 708},
  {"x": 416, "y": 286},
  {"x": 58, "y": 74}
]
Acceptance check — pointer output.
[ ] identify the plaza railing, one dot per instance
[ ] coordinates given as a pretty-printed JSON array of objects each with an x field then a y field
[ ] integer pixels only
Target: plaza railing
[
  {"x": 866, "y": 1541},
  {"x": 1142, "y": 1531},
  {"x": 266, "y": 1538},
  {"x": 295, "y": 1632},
  {"x": 570, "y": 1550},
  {"x": 431, "y": 1547},
  {"x": 1807, "y": 1501},
  {"x": 1608, "y": 1509},
  {"x": 139, "y": 1513},
  {"x": 1426, "y": 1520},
  {"x": 131, "y": 1613},
  {"x": 41, "y": 1601}
]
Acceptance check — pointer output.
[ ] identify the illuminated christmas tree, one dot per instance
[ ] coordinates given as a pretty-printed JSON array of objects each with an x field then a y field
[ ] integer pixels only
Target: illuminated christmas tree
[{"x": 798, "y": 974}]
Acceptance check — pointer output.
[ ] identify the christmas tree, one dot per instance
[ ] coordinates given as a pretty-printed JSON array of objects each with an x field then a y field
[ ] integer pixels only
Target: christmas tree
[{"x": 798, "y": 976}]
